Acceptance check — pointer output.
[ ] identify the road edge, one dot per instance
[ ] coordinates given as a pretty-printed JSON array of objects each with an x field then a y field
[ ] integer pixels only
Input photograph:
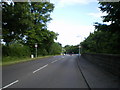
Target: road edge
[{"x": 78, "y": 64}]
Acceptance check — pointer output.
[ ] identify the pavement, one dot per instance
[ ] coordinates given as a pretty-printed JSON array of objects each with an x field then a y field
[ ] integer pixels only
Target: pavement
[
  {"x": 67, "y": 71},
  {"x": 96, "y": 76},
  {"x": 54, "y": 72}
]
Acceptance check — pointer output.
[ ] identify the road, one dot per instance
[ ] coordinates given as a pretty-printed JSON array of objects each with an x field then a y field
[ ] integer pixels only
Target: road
[
  {"x": 53, "y": 72},
  {"x": 56, "y": 72}
]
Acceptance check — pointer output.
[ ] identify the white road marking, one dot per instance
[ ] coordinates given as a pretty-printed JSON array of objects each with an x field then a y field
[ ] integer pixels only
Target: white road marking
[
  {"x": 9, "y": 84},
  {"x": 54, "y": 61},
  {"x": 40, "y": 68}
]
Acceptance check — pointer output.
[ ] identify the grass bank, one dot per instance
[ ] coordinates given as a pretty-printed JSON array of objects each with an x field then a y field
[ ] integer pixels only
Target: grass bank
[{"x": 14, "y": 60}]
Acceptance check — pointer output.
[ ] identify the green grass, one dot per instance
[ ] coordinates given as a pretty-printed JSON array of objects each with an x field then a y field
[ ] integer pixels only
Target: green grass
[{"x": 14, "y": 60}]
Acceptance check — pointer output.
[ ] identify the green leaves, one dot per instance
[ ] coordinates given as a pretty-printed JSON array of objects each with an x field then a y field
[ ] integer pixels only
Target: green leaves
[
  {"x": 26, "y": 23},
  {"x": 15, "y": 21},
  {"x": 71, "y": 49},
  {"x": 55, "y": 48},
  {"x": 105, "y": 38},
  {"x": 16, "y": 50}
]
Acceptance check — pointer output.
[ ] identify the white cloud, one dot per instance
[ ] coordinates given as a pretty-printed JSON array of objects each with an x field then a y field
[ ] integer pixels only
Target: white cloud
[
  {"x": 97, "y": 15},
  {"x": 62, "y": 3},
  {"x": 70, "y": 33}
]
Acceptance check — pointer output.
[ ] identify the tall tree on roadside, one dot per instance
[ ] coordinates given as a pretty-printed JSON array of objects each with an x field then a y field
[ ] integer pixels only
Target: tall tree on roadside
[
  {"x": 27, "y": 23},
  {"x": 113, "y": 14},
  {"x": 105, "y": 38},
  {"x": 39, "y": 33},
  {"x": 16, "y": 20}
]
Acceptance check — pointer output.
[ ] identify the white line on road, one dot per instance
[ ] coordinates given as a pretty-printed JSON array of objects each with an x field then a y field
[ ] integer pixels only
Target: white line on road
[
  {"x": 9, "y": 84},
  {"x": 54, "y": 61},
  {"x": 40, "y": 68}
]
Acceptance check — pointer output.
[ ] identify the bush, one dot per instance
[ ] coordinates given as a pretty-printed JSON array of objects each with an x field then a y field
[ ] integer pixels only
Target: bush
[
  {"x": 16, "y": 50},
  {"x": 42, "y": 52}
]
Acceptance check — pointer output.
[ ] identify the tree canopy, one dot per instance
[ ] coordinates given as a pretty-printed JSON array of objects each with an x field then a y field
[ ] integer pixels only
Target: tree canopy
[
  {"x": 70, "y": 49},
  {"x": 105, "y": 38},
  {"x": 26, "y": 23}
]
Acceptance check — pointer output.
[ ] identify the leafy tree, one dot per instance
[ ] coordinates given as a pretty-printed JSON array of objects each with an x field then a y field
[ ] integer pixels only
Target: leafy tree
[
  {"x": 28, "y": 28},
  {"x": 105, "y": 38},
  {"x": 16, "y": 20},
  {"x": 113, "y": 14},
  {"x": 71, "y": 49},
  {"x": 55, "y": 49},
  {"x": 39, "y": 33},
  {"x": 16, "y": 50}
]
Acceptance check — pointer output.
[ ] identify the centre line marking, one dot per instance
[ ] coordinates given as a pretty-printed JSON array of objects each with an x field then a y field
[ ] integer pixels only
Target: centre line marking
[
  {"x": 54, "y": 61},
  {"x": 9, "y": 84},
  {"x": 40, "y": 68}
]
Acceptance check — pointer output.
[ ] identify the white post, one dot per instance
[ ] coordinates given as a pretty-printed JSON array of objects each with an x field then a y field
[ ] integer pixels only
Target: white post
[
  {"x": 32, "y": 56},
  {"x": 79, "y": 49},
  {"x": 36, "y": 52},
  {"x": 36, "y": 49}
]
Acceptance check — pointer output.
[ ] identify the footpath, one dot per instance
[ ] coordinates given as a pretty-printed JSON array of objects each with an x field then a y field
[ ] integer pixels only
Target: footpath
[{"x": 97, "y": 77}]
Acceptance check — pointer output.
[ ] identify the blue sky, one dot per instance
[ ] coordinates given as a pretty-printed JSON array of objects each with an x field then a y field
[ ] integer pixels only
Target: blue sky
[{"x": 73, "y": 20}]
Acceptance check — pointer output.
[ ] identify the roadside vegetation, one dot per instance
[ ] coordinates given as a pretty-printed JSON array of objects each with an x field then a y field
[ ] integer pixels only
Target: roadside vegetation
[
  {"x": 106, "y": 37},
  {"x": 70, "y": 49},
  {"x": 14, "y": 60},
  {"x": 24, "y": 24}
]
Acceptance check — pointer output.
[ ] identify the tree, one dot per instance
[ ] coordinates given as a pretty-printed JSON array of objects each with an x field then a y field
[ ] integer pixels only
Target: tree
[
  {"x": 71, "y": 49},
  {"x": 105, "y": 38},
  {"x": 113, "y": 14},
  {"x": 39, "y": 33},
  {"x": 55, "y": 48},
  {"x": 14, "y": 22},
  {"x": 29, "y": 26}
]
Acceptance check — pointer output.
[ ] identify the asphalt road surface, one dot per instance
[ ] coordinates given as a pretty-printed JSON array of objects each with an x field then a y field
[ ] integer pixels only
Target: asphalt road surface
[
  {"x": 53, "y": 72},
  {"x": 57, "y": 72}
]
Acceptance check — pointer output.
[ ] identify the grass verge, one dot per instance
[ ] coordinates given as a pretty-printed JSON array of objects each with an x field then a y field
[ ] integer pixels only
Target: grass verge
[{"x": 14, "y": 60}]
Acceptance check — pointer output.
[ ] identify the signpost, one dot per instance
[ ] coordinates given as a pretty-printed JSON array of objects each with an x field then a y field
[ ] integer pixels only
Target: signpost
[{"x": 36, "y": 48}]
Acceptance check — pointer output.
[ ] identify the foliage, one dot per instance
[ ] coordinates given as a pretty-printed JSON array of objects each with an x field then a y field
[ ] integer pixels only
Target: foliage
[
  {"x": 39, "y": 33},
  {"x": 14, "y": 22},
  {"x": 13, "y": 60},
  {"x": 16, "y": 50},
  {"x": 105, "y": 38},
  {"x": 25, "y": 24},
  {"x": 71, "y": 49},
  {"x": 55, "y": 48}
]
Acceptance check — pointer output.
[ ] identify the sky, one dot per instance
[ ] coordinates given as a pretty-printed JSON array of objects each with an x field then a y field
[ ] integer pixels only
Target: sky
[{"x": 73, "y": 20}]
